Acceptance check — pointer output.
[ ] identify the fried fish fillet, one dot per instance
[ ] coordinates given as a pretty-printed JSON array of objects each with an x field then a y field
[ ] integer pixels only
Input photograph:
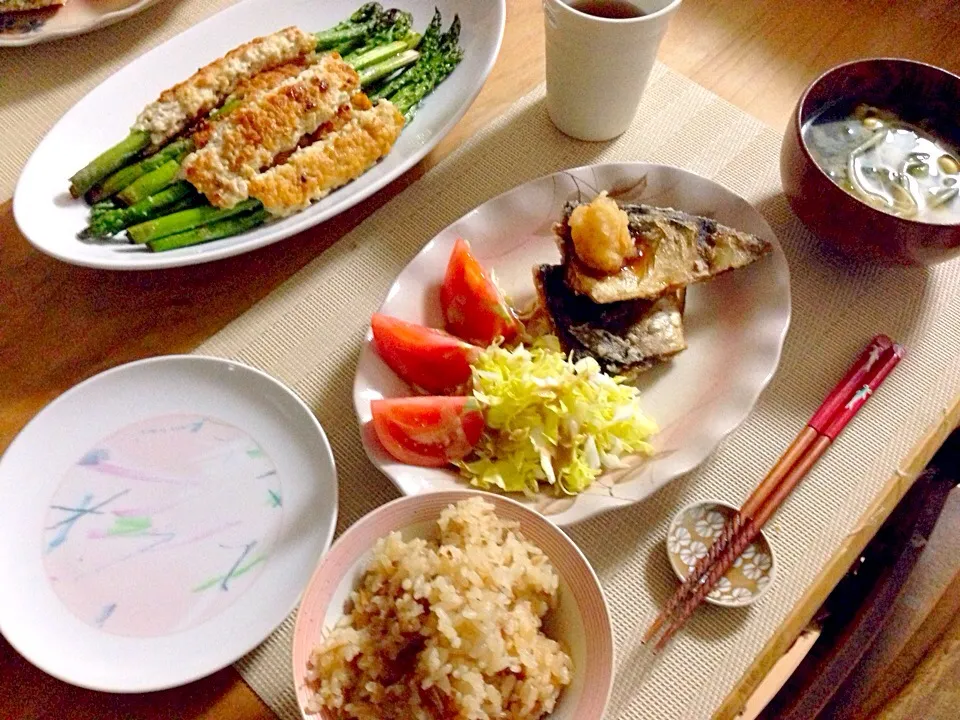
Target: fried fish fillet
[
  {"x": 247, "y": 88},
  {"x": 266, "y": 124},
  {"x": 672, "y": 249},
  {"x": 335, "y": 159},
  {"x": 185, "y": 103},
  {"x": 626, "y": 338},
  {"x": 269, "y": 79}
]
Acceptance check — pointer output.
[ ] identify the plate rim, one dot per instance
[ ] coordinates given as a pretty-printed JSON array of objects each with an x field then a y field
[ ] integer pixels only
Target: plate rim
[
  {"x": 736, "y": 416},
  {"x": 326, "y": 544},
  {"x": 213, "y": 251},
  {"x": 455, "y": 495},
  {"x": 102, "y": 21}
]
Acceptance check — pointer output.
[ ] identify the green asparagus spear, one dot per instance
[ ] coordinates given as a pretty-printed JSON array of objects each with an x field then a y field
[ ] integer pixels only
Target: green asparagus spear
[
  {"x": 367, "y": 11},
  {"x": 376, "y": 72},
  {"x": 362, "y": 23},
  {"x": 363, "y": 14},
  {"x": 108, "y": 162},
  {"x": 151, "y": 183},
  {"x": 186, "y": 220},
  {"x": 225, "y": 228},
  {"x": 427, "y": 48},
  {"x": 345, "y": 48},
  {"x": 391, "y": 26},
  {"x": 330, "y": 39},
  {"x": 113, "y": 221},
  {"x": 384, "y": 52},
  {"x": 446, "y": 57},
  {"x": 184, "y": 203},
  {"x": 410, "y": 96},
  {"x": 104, "y": 206},
  {"x": 127, "y": 175}
]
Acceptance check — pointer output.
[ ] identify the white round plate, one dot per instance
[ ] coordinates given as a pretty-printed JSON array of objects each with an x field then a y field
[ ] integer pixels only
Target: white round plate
[
  {"x": 159, "y": 521},
  {"x": 75, "y": 18},
  {"x": 735, "y": 325},
  {"x": 50, "y": 219}
]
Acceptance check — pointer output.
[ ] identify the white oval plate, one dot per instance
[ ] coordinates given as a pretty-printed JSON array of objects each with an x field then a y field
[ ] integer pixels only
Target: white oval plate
[
  {"x": 75, "y": 18},
  {"x": 159, "y": 521},
  {"x": 735, "y": 324},
  {"x": 51, "y": 219}
]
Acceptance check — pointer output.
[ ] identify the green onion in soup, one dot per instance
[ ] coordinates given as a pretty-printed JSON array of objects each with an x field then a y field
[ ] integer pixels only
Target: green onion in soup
[{"x": 892, "y": 165}]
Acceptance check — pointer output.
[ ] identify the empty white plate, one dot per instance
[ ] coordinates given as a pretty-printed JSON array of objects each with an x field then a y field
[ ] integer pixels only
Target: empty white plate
[{"x": 159, "y": 521}]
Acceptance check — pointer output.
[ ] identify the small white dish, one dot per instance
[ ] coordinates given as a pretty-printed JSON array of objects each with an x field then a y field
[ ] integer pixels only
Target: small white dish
[
  {"x": 691, "y": 533},
  {"x": 75, "y": 18},
  {"x": 735, "y": 325},
  {"x": 50, "y": 219},
  {"x": 159, "y": 521}
]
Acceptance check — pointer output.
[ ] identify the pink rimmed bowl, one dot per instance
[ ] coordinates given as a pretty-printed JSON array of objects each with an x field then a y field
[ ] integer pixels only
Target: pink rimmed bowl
[{"x": 581, "y": 621}]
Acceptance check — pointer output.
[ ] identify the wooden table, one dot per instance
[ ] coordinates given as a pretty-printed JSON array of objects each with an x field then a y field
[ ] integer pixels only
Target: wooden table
[{"x": 60, "y": 324}]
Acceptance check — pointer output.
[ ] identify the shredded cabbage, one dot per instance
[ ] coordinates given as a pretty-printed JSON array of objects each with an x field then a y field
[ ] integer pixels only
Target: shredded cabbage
[{"x": 550, "y": 420}]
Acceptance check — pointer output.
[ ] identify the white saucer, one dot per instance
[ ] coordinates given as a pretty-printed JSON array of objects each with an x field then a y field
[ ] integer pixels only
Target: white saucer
[{"x": 159, "y": 521}]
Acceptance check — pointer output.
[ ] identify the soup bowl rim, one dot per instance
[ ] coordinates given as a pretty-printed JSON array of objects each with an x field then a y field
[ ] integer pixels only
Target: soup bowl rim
[{"x": 801, "y": 116}]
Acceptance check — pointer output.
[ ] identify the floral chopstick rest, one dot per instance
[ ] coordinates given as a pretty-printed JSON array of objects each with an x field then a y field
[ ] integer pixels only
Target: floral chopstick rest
[{"x": 693, "y": 531}]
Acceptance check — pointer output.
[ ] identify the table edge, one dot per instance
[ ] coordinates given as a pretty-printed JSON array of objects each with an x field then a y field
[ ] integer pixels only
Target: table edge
[{"x": 868, "y": 524}]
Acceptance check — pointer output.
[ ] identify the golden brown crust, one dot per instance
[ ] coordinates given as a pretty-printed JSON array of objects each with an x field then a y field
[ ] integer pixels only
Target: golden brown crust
[
  {"x": 188, "y": 101},
  {"x": 269, "y": 79},
  {"x": 267, "y": 124},
  {"x": 247, "y": 88},
  {"x": 212, "y": 75},
  {"x": 339, "y": 157}
]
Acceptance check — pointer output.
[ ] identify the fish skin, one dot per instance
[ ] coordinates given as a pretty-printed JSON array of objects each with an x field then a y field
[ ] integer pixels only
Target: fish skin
[
  {"x": 686, "y": 249},
  {"x": 626, "y": 338}
]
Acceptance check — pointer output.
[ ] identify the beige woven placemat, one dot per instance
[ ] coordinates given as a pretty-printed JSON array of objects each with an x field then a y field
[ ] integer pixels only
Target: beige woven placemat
[{"x": 308, "y": 333}]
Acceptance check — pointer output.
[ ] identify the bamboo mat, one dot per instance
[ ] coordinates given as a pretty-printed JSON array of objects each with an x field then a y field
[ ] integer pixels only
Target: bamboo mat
[{"x": 308, "y": 333}]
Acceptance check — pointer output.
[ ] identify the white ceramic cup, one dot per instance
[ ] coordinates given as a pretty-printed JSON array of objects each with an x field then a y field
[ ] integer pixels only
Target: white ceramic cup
[{"x": 597, "y": 67}]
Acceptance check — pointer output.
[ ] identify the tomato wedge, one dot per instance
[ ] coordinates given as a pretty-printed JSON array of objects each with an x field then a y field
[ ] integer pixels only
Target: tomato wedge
[
  {"x": 431, "y": 359},
  {"x": 428, "y": 431},
  {"x": 473, "y": 307}
]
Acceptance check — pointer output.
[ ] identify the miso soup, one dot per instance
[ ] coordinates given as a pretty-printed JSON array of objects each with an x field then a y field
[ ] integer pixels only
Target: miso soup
[{"x": 895, "y": 166}]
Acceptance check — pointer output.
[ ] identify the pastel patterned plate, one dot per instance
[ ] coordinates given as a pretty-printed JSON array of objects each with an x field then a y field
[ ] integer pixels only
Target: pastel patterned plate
[
  {"x": 693, "y": 531},
  {"x": 580, "y": 622},
  {"x": 735, "y": 324},
  {"x": 159, "y": 521}
]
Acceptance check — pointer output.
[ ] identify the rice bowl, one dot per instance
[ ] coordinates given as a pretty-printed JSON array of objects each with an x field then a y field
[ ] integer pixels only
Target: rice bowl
[{"x": 426, "y": 609}]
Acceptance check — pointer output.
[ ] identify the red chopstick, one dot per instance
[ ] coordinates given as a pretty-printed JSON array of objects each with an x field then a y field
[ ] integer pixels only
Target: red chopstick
[{"x": 839, "y": 407}]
